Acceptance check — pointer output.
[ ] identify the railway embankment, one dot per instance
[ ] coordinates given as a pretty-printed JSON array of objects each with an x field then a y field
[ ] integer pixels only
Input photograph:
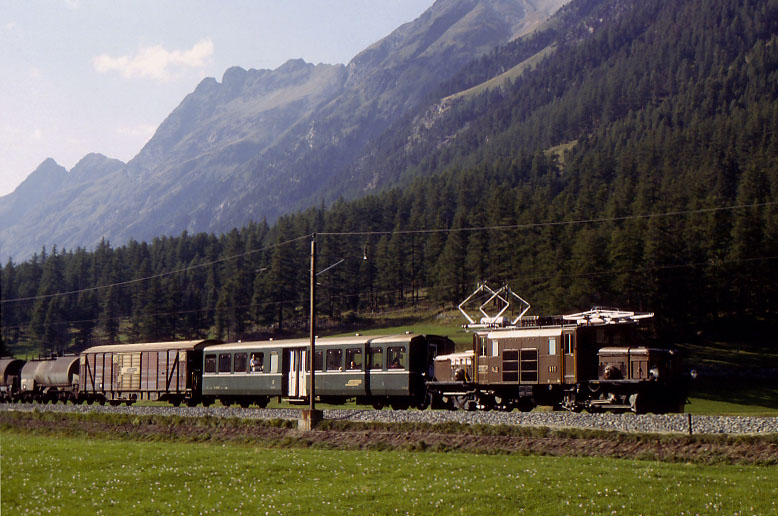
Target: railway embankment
[{"x": 716, "y": 439}]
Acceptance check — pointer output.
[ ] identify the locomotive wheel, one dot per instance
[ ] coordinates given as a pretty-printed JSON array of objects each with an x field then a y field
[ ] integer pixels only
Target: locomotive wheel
[
  {"x": 378, "y": 404},
  {"x": 526, "y": 404}
]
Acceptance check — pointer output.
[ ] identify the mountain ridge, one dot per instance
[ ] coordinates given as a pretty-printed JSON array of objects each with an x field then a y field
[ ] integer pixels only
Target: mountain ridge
[{"x": 262, "y": 143}]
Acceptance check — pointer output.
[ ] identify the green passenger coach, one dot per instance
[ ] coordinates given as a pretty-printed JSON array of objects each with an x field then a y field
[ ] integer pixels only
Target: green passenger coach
[{"x": 375, "y": 370}]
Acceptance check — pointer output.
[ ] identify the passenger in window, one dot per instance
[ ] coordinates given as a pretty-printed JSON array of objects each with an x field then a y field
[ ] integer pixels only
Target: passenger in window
[{"x": 256, "y": 362}]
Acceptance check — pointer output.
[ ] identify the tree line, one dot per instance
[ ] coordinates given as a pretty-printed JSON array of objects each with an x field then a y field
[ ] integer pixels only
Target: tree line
[{"x": 636, "y": 166}]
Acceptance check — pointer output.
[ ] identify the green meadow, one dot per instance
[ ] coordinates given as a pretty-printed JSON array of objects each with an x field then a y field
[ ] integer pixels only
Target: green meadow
[{"x": 66, "y": 475}]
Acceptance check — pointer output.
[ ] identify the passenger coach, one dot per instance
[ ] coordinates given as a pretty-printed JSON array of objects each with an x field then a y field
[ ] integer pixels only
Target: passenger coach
[{"x": 375, "y": 370}]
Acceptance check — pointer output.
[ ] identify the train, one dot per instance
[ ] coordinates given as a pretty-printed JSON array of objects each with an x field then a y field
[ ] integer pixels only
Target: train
[{"x": 594, "y": 361}]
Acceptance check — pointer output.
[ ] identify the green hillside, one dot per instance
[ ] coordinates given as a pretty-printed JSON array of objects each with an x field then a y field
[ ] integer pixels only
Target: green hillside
[{"x": 666, "y": 202}]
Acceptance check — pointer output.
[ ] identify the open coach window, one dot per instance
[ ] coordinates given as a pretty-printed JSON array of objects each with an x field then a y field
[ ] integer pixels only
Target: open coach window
[
  {"x": 396, "y": 357},
  {"x": 354, "y": 359},
  {"x": 256, "y": 362}
]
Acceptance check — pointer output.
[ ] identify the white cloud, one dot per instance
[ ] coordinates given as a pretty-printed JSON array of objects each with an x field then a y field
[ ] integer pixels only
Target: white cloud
[
  {"x": 36, "y": 134},
  {"x": 155, "y": 62},
  {"x": 72, "y": 4}
]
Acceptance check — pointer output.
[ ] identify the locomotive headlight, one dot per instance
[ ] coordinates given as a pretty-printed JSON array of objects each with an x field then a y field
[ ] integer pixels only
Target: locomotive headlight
[
  {"x": 654, "y": 372},
  {"x": 693, "y": 374}
]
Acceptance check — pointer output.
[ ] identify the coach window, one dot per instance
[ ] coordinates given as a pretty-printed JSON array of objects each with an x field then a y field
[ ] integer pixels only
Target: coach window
[
  {"x": 256, "y": 362},
  {"x": 210, "y": 363},
  {"x": 376, "y": 358},
  {"x": 354, "y": 359},
  {"x": 224, "y": 362},
  {"x": 334, "y": 359},
  {"x": 240, "y": 361},
  {"x": 552, "y": 345},
  {"x": 274, "y": 361},
  {"x": 396, "y": 357}
]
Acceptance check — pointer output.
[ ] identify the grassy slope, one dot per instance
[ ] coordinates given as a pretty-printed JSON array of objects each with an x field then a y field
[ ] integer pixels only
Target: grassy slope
[{"x": 91, "y": 476}]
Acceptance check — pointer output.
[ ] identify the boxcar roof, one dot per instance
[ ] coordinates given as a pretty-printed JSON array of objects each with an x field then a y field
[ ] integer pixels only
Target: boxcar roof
[
  {"x": 304, "y": 342},
  {"x": 183, "y": 345}
]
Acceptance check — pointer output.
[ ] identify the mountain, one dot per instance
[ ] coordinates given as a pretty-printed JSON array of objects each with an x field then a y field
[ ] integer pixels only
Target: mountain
[
  {"x": 34, "y": 212},
  {"x": 623, "y": 154},
  {"x": 262, "y": 143}
]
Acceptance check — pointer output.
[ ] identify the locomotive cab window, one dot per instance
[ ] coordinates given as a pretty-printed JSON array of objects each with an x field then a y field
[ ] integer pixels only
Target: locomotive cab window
[
  {"x": 256, "y": 362},
  {"x": 210, "y": 363},
  {"x": 354, "y": 359},
  {"x": 240, "y": 362},
  {"x": 334, "y": 359},
  {"x": 396, "y": 357},
  {"x": 376, "y": 360},
  {"x": 225, "y": 362}
]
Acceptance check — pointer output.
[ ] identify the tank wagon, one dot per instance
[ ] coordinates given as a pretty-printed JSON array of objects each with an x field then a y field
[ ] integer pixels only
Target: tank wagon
[
  {"x": 376, "y": 370},
  {"x": 595, "y": 360},
  {"x": 10, "y": 378},
  {"x": 45, "y": 380}
]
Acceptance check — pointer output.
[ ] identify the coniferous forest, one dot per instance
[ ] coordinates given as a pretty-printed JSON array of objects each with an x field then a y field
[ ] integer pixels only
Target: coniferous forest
[{"x": 636, "y": 165}]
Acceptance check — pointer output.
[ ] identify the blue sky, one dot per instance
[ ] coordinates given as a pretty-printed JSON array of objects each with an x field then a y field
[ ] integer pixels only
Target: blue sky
[{"x": 82, "y": 76}]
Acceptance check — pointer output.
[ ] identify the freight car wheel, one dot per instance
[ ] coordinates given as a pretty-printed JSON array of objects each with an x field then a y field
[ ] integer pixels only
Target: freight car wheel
[
  {"x": 263, "y": 401},
  {"x": 378, "y": 405}
]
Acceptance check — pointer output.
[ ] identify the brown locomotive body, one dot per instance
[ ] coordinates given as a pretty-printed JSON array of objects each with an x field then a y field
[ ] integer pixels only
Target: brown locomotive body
[{"x": 577, "y": 362}]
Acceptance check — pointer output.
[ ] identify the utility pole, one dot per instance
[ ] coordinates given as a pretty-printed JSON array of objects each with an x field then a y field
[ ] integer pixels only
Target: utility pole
[
  {"x": 312, "y": 326},
  {"x": 311, "y": 417}
]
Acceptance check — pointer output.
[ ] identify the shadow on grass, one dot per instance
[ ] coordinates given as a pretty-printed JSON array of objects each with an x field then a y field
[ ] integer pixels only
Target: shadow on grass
[{"x": 756, "y": 392}]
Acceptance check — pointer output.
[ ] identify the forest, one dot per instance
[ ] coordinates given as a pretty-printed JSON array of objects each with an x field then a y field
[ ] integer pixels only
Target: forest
[{"x": 635, "y": 166}]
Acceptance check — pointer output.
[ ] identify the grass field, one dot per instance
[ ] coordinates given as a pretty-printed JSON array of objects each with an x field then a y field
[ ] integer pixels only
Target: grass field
[{"x": 48, "y": 475}]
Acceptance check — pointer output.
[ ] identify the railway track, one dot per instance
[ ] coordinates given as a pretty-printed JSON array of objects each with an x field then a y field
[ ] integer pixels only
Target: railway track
[{"x": 649, "y": 423}]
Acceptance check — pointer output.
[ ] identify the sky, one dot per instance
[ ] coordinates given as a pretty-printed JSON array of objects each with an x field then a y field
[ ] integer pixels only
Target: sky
[{"x": 81, "y": 76}]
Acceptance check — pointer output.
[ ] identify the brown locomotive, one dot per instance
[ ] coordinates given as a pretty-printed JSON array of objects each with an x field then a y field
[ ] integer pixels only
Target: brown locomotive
[{"x": 593, "y": 360}]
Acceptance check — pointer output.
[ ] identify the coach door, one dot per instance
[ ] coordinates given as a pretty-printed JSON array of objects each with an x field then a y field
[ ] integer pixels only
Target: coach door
[
  {"x": 295, "y": 358},
  {"x": 568, "y": 357}
]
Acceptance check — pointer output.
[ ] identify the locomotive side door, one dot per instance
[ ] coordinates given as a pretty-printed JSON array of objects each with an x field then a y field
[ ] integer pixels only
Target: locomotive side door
[{"x": 568, "y": 357}]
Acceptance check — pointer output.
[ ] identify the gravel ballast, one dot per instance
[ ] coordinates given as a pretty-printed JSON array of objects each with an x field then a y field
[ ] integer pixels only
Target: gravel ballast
[{"x": 670, "y": 423}]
